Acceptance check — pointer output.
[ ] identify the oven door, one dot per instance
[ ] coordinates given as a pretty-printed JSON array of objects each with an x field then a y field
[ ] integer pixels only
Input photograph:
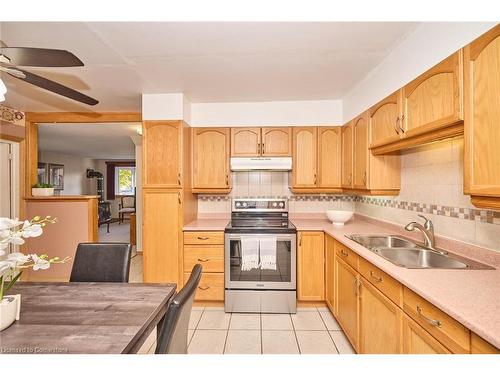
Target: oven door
[{"x": 283, "y": 278}]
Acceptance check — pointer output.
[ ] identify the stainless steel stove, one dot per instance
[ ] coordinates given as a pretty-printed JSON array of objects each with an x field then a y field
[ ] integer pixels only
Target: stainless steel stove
[{"x": 257, "y": 289}]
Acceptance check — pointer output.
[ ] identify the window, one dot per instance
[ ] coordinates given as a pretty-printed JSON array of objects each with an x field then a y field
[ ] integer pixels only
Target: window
[{"x": 124, "y": 180}]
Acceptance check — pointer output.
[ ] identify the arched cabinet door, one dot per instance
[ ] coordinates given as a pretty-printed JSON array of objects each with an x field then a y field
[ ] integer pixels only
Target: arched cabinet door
[
  {"x": 385, "y": 121},
  {"x": 360, "y": 131},
  {"x": 482, "y": 120},
  {"x": 162, "y": 154},
  {"x": 211, "y": 159},
  {"x": 304, "y": 169},
  {"x": 329, "y": 157},
  {"x": 347, "y": 155},
  {"x": 276, "y": 141},
  {"x": 245, "y": 142},
  {"x": 434, "y": 100}
]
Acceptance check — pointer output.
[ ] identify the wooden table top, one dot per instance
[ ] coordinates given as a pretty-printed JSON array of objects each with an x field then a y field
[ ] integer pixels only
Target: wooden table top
[{"x": 103, "y": 318}]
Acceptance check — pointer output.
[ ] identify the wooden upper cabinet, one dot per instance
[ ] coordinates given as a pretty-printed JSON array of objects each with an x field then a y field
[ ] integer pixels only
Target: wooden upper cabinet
[
  {"x": 482, "y": 120},
  {"x": 211, "y": 159},
  {"x": 380, "y": 322},
  {"x": 329, "y": 157},
  {"x": 347, "y": 155},
  {"x": 304, "y": 168},
  {"x": 434, "y": 100},
  {"x": 385, "y": 121},
  {"x": 360, "y": 131},
  {"x": 311, "y": 266},
  {"x": 245, "y": 142},
  {"x": 162, "y": 154},
  {"x": 276, "y": 141}
]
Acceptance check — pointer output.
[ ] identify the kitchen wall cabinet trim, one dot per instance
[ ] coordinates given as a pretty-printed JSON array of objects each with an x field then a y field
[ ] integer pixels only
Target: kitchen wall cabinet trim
[
  {"x": 210, "y": 170},
  {"x": 310, "y": 266},
  {"x": 482, "y": 116}
]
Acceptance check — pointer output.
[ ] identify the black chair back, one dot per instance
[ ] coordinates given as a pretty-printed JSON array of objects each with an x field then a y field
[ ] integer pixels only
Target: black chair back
[
  {"x": 101, "y": 262},
  {"x": 173, "y": 331}
]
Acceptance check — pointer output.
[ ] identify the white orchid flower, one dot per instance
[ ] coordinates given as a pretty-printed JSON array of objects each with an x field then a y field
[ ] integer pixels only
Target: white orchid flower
[
  {"x": 6, "y": 223},
  {"x": 18, "y": 258},
  {"x": 16, "y": 238},
  {"x": 39, "y": 263},
  {"x": 31, "y": 230},
  {"x": 5, "y": 267}
]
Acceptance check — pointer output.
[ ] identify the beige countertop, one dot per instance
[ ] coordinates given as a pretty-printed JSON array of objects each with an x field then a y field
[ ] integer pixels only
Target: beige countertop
[
  {"x": 206, "y": 224},
  {"x": 472, "y": 297}
]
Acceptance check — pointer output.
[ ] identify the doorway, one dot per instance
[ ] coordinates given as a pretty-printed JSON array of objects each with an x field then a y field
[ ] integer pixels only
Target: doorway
[{"x": 9, "y": 180}]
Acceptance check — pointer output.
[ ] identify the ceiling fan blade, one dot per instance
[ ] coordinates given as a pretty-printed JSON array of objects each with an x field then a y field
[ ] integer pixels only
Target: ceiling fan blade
[
  {"x": 55, "y": 87},
  {"x": 25, "y": 56}
]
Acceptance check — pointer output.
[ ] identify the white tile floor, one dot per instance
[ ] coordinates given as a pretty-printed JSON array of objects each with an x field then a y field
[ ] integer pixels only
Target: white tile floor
[{"x": 310, "y": 331}]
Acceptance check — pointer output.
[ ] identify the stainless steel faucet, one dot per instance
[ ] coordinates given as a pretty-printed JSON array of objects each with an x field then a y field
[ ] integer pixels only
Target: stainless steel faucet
[{"x": 427, "y": 230}]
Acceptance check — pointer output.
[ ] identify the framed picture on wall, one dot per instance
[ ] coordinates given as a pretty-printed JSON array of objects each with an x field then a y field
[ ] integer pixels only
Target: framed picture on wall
[
  {"x": 43, "y": 173},
  {"x": 56, "y": 176}
]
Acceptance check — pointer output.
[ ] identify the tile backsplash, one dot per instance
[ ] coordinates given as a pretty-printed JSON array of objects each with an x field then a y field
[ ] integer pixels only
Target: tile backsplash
[{"x": 431, "y": 184}]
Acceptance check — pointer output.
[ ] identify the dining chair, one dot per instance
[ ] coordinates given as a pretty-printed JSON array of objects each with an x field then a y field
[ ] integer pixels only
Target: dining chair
[
  {"x": 173, "y": 330},
  {"x": 101, "y": 262},
  {"x": 126, "y": 207}
]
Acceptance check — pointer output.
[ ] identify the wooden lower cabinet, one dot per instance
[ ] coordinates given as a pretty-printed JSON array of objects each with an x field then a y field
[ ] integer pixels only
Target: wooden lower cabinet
[
  {"x": 311, "y": 266},
  {"x": 380, "y": 322},
  {"x": 210, "y": 288},
  {"x": 330, "y": 272},
  {"x": 347, "y": 301},
  {"x": 480, "y": 346},
  {"x": 417, "y": 340}
]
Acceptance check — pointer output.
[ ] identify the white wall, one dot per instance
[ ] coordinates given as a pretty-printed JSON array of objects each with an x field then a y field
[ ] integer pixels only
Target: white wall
[
  {"x": 278, "y": 113},
  {"x": 163, "y": 106},
  {"x": 75, "y": 167},
  {"x": 430, "y": 43}
]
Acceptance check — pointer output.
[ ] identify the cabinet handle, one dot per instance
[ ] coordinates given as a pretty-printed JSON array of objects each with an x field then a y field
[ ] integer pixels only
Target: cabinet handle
[
  {"x": 432, "y": 322},
  {"x": 375, "y": 277},
  {"x": 258, "y": 148},
  {"x": 315, "y": 178},
  {"x": 203, "y": 260},
  {"x": 227, "y": 180},
  {"x": 396, "y": 126},
  {"x": 350, "y": 178},
  {"x": 203, "y": 238},
  {"x": 355, "y": 286},
  {"x": 400, "y": 127},
  {"x": 364, "y": 179},
  {"x": 342, "y": 252},
  {"x": 300, "y": 240},
  {"x": 203, "y": 287},
  {"x": 179, "y": 197},
  {"x": 179, "y": 179},
  {"x": 263, "y": 148}
]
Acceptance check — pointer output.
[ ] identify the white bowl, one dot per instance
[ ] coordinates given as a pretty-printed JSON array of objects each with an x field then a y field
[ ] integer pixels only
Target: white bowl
[{"x": 338, "y": 217}]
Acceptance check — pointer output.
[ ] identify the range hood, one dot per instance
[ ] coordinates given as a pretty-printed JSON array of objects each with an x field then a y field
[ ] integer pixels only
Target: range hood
[{"x": 261, "y": 164}]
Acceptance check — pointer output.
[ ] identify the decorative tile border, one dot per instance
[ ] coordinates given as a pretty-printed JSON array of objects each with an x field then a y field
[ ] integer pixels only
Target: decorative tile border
[{"x": 486, "y": 216}]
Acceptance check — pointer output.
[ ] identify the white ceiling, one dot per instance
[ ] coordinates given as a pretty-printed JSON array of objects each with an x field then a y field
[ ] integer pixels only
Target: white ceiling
[
  {"x": 209, "y": 62},
  {"x": 96, "y": 141}
]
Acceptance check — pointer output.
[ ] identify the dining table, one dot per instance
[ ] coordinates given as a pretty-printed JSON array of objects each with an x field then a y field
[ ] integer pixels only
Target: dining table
[{"x": 85, "y": 318}]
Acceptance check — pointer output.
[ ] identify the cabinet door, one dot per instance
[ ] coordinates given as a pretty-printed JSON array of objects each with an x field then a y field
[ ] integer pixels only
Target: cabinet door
[
  {"x": 161, "y": 152},
  {"x": 330, "y": 272},
  {"x": 304, "y": 157},
  {"x": 416, "y": 340},
  {"x": 360, "y": 130},
  {"x": 211, "y": 158},
  {"x": 329, "y": 157},
  {"x": 482, "y": 117},
  {"x": 435, "y": 99},
  {"x": 276, "y": 142},
  {"x": 380, "y": 322},
  {"x": 162, "y": 236},
  {"x": 385, "y": 121},
  {"x": 347, "y": 155},
  {"x": 311, "y": 266},
  {"x": 245, "y": 142},
  {"x": 347, "y": 300}
]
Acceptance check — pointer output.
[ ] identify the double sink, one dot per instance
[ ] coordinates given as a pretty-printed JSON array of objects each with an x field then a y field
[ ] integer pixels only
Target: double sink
[{"x": 406, "y": 253}]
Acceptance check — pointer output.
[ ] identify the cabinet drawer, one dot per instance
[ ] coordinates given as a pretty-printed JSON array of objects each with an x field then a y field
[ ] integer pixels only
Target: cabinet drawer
[
  {"x": 211, "y": 257},
  {"x": 443, "y": 327},
  {"x": 211, "y": 287},
  {"x": 481, "y": 346},
  {"x": 204, "y": 238},
  {"x": 392, "y": 288},
  {"x": 347, "y": 255}
]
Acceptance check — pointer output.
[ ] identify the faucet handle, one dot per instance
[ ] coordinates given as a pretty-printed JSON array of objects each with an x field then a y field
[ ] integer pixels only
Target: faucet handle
[{"x": 428, "y": 224}]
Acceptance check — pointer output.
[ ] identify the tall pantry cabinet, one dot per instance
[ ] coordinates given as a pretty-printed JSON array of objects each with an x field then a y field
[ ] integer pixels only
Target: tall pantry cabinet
[{"x": 167, "y": 198}]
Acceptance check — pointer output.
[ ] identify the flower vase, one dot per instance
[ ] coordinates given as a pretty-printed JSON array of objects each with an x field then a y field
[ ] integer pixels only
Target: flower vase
[{"x": 10, "y": 308}]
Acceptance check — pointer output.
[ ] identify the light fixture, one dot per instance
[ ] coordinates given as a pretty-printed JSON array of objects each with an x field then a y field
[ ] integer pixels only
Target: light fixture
[{"x": 3, "y": 91}]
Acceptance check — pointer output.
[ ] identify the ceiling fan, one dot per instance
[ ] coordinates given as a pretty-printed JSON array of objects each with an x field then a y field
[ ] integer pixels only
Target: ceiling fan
[{"x": 12, "y": 57}]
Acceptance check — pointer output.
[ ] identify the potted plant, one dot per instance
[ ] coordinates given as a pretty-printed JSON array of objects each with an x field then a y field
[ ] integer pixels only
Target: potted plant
[
  {"x": 13, "y": 231},
  {"x": 42, "y": 190}
]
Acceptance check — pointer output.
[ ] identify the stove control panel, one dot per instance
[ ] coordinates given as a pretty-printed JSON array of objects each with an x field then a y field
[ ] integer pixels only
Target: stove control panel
[{"x": 260, "y": 205}]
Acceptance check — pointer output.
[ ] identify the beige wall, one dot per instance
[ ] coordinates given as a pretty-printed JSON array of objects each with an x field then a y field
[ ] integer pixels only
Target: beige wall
[{"x": 433, "y": 175}]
